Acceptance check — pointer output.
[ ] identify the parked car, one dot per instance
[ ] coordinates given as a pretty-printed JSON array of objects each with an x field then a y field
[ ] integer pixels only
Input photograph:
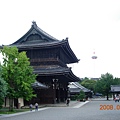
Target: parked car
[{"x": 98, "y": 94}]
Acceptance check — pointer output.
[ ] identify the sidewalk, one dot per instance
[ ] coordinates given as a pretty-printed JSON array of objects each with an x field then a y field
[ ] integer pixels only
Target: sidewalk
[
  {"x": 63, "y": 104},
  {"x": 101, "y": 99}
]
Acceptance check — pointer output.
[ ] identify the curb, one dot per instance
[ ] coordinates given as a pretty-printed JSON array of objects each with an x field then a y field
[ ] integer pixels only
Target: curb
[{"x": 81, "y": 104}]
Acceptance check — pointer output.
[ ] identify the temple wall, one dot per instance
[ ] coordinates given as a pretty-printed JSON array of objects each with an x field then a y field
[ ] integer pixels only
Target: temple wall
[
  {"x": 6, "y": 102},
  {"x": 21, "y": 102}
]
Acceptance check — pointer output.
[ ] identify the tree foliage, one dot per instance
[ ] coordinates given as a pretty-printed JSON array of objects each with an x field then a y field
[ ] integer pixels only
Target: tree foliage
[
  {"x": 18, "y": 73},
  {"x": 116, "y": 81},
  {"x": 81, "y": 96},
  {"x": 90, "y": 84},
  {"x": 103, "y": 85},
  {"x": 3, "y": 88}
]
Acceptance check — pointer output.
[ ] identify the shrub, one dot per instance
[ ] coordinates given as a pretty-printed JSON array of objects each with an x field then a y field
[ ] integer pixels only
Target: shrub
[{"x": 81, "y": 96}]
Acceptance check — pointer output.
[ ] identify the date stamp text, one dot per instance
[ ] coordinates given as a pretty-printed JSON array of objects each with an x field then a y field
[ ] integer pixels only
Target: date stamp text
[{"x": 109, "y": 107}]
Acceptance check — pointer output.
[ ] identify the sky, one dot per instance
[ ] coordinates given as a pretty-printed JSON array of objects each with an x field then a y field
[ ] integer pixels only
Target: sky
[{"x": 91, "y": 26}]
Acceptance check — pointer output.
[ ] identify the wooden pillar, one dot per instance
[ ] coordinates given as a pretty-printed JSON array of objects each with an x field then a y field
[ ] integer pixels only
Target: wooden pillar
[
  {"x": 54, "y": 96},
  {"x": 58, "y": 95},
  {"x": 55, "y": 83}
]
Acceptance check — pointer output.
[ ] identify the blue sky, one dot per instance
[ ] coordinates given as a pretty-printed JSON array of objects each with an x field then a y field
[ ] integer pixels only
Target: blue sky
[{"x": 90, "y": 25}]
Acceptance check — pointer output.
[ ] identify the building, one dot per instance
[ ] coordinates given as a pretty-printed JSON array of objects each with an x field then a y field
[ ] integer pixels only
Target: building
[
  {"x": 75, "y": 88},
  {"x": 115, "y": 89},
  {"x": 49, "y": 58}
]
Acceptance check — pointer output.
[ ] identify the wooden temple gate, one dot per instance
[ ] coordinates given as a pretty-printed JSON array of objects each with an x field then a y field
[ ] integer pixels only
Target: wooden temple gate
[{"x": 49, "y": 58}]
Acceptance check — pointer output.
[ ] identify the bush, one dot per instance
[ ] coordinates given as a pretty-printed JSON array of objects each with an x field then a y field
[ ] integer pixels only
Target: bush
[{"x": 81, "y": 96}]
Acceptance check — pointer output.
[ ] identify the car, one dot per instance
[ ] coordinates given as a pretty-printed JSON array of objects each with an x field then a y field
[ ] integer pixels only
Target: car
[{"x": 98, "y": 94}]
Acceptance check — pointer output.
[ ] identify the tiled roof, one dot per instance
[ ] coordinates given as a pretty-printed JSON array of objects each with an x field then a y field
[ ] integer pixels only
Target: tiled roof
[
  {"x": 60, "y": 71},
  {"x": 77, "y": 87},
  {"x": 38, "y": 85},
  {"x": 115, "y": 88},
  {"x": 44, "y": 32}
]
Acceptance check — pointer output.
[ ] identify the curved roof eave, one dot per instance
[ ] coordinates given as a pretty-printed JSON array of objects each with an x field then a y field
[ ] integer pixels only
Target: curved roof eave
[
  {"x": 40, "y": 45},
  {"x": 67, "y": 72},
  {"x": 39, "y": 85},
  {"x": 39, "y": 31},
  {"x": 69, "y": 50},
  {"x": 63, "y": 43}
]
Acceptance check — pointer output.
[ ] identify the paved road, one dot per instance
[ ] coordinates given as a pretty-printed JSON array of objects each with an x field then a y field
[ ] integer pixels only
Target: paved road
[{"x": 89, "y": 111}]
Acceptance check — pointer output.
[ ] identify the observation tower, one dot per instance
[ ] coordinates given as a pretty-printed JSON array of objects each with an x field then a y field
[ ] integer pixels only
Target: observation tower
[{"x": 94, "y": 57}]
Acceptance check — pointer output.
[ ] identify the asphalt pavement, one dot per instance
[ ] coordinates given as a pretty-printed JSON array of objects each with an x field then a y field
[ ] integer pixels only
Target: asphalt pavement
[
  {"x": 94, "y": 109},
  {"x": 73, "y": 104}
]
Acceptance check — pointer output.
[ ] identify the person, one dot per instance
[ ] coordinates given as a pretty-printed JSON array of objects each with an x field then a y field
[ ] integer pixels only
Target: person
[
  {"x": 68, "y": 101},
  {"x": 36, "y": 106},
  {"x": 117, "y": 99},
  {"x": 31, "y": 106}
]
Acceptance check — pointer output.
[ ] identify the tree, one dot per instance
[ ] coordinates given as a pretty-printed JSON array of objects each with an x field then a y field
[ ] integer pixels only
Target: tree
[
  {"x": 18, "y": 73},
  {"x": 103, "y": 85},
  {"x": 90, "y": 84},
  {"x": 116, "y": 81},
  {"x": 3, "y": 88},
  {"x": 81, "y": 96}
]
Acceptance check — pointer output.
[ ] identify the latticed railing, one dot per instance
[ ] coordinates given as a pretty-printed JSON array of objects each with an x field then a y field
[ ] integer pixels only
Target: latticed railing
[
  {"x": 43, "y": 59},
  {"x": 47, "y": 61}
]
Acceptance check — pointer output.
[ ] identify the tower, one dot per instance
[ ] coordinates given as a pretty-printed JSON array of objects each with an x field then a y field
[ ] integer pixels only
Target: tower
[{"x": 94, "y": 57}]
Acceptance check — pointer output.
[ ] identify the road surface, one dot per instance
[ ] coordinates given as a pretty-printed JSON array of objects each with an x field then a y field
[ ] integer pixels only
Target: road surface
[{"x": 93, "y": 110}]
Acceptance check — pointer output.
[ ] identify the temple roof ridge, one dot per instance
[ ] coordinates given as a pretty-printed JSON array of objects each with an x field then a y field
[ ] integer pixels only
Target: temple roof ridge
[
  {"x": 35, "y": 30},
  {"x": 36, "y": 27}
]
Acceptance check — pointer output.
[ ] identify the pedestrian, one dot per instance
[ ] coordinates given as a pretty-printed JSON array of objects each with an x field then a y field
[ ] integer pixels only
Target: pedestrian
[
  {"x": 36, "y": 106},
  {"x": 68, "y": 101},
  {"x": 117, "y": 99},
  {"x": 31, "y": 106}
]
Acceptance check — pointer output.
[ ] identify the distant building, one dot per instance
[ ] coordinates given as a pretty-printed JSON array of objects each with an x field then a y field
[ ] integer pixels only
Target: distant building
[
  {"x": 95, "y": 79},
  {"x": 115, "y": 88},
  {"x": 75, "y": 88},
  {"x": 90, "y": 78}
]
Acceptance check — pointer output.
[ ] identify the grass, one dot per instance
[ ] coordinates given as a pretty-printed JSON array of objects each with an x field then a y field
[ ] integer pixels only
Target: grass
[{"x": 6, "y": 111}]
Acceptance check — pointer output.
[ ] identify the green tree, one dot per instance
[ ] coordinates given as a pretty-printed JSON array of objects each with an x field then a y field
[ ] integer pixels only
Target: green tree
[
  {"x": 18, "y": 73},
  {"x": 81, "y": 96},
  {"x": 90, "y": 84},
  {"x": 103, "y": 85},
  {"x": 3, "y": 88},
  {"x": 116, "y": 81}
]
